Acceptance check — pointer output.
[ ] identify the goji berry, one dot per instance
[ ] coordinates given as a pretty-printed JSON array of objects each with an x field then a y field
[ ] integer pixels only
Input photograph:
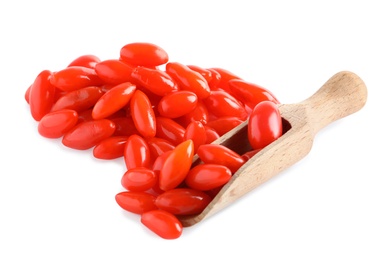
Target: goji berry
[
  {"x": 136, "y": 153},
  {"x": 88, "y": 134},
  {"x": 183, "y": 201},
  {"x": 143, "y": 54},
  {"x": 163, "y": 223}
]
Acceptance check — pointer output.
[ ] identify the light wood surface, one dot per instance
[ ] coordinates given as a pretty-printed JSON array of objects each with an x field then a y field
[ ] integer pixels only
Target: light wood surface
[{"x": 343, "y": 94}]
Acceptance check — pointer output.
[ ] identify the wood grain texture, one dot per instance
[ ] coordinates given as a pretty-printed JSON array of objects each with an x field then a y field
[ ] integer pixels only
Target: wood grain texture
[{"x": 343, "y": 94}]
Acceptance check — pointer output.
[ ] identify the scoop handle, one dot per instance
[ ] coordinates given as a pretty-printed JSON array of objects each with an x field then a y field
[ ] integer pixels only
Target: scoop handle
[{"x": 343, "y": 94}]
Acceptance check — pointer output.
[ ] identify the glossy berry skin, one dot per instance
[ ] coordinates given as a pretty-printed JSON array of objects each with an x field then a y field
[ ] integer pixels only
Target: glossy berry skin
[
  {"x": 88, "y": 61},
  {"x": 176, "y": 166},
  {"x": 197, "y": 133},
  {"x": 169, "y": 130},
  {"x": 215, "y": 79},
  {"x": 78, "y": 100},
  {"x": 124, "y": 126},
  {"x": 224, "y": 124},
  {"x": 136, "y": 153},
  {"x": 221, "y": 104},
  {"x": 138, "y": 179},
  {"x": 113, "y": 100},
  {"x": 142, "y": 114},
  {"x": 163, "y": 223},
  {"x": 114, "y": 72},
  {"x": 225, "y": 77},
  {"x": 219, "y": 154},
  {"x": 136, "y": 202},
  {"x": 56, "y": 124},
  {"x": 188, "y": 79},
  {"x": 156, "y": 81},
  {"x": 249, "y": 93},
  {"x": 265, "y": 125},
  {"x": 75, "y": 77},
  {"x": 211, "y": 134},
  {"x": 200, "y": 113},
  {"x": 177, "y": 104},
  {"x": 183, "y": 201},
  {"x": 143, "y": 54},
  {"x": 208, "y": 176},
  {"x": 41, "y": 95},
  {"x": 110, "y": 148},
  {"x": 158, "y": 146},
  {"x": 207, "y": 75},
  {"x": 88, "y": 134}
]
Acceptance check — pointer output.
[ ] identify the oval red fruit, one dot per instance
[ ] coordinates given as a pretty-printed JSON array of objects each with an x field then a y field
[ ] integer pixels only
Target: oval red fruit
[
  {"x": 177, "y": 104},
  {"x": 183, "y": 201},
  {"x": 176, "y": 165},
  {"x": 88, "y": 61},
  {"x": 136, "y": 153},
  {"x": 88, "y": 134},
  {"x": 41, "y": 95},
  {"x": 142, "y": 114},
  {"x": 265, "y": 125},
  {"x": 78, "y": 100},
  {"x": 208, "y": 176},
  {"x": 113, "y": 100},
  {"x": 188, "y": 79},
  {"x": 56, "y": 124},
  {"x": 75, "y": 77},
  {"x": 143, "y": 54},
  {"x": 138, "y": 179},
  {"x": 136, "y": 202},
  {"x": 163, "y": 223},
  {"x": 110, "y": 148}
]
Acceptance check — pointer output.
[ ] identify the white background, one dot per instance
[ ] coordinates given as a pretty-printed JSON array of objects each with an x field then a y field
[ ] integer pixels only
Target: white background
[{"x": 58, "y": 203}]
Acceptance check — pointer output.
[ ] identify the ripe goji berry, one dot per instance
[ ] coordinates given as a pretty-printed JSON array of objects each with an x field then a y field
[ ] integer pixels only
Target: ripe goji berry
[
  {"x": 265, "y": 125},
  {"x": 176, "y": 166},
  {"x": 136, "y": 153},
  {"x": 113, "y": 100},
  {"x": 143, "y": 54},
  {"x": 219, "y": 154},
  {"x": 88, "y": 134},
  {"x": 249, "y": 93},
  {"x": 56, "y": 124},
  {"x": 41, "y": 95},
  {"x": 170, "y": 130},
  {"x": 224, "y": 124},
  {"x": 224, "y": 77},
  {"x": 200, "y": 113},
  {"x": 158, "y": 146},
  {"x": 110, "y": 148},
  {"x": 183, "y": 201},
  {"x": 114, "y": 72},
  {"x": 142, "y": 114},
  {"x": 124, "y": 126},
  {"x": 163, "y": 223},
  {"x": 138, "y": 179},
  {"x": 88, "y": 61},
  {"x": 78, "y": 100},
  {"x": 75, "y": 77},
  {"x": 135, "y": 201},
  {"x": 188, "y": 79},
  {"x": 154, "y": 80},
  {"x": 208, "y": 176},
  {"x": 196, "y": 132},
  {"x": 221, "y": 103},
  {"x": 177, "y": 104}
]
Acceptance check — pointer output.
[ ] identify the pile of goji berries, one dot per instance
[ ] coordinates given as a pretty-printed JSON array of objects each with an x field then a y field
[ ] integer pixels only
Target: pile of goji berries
[{"x": 157, "y": 115}]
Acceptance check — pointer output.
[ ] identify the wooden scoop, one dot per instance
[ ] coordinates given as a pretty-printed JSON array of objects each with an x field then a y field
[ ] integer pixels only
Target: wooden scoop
[{"x": 342, "y": 95}]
